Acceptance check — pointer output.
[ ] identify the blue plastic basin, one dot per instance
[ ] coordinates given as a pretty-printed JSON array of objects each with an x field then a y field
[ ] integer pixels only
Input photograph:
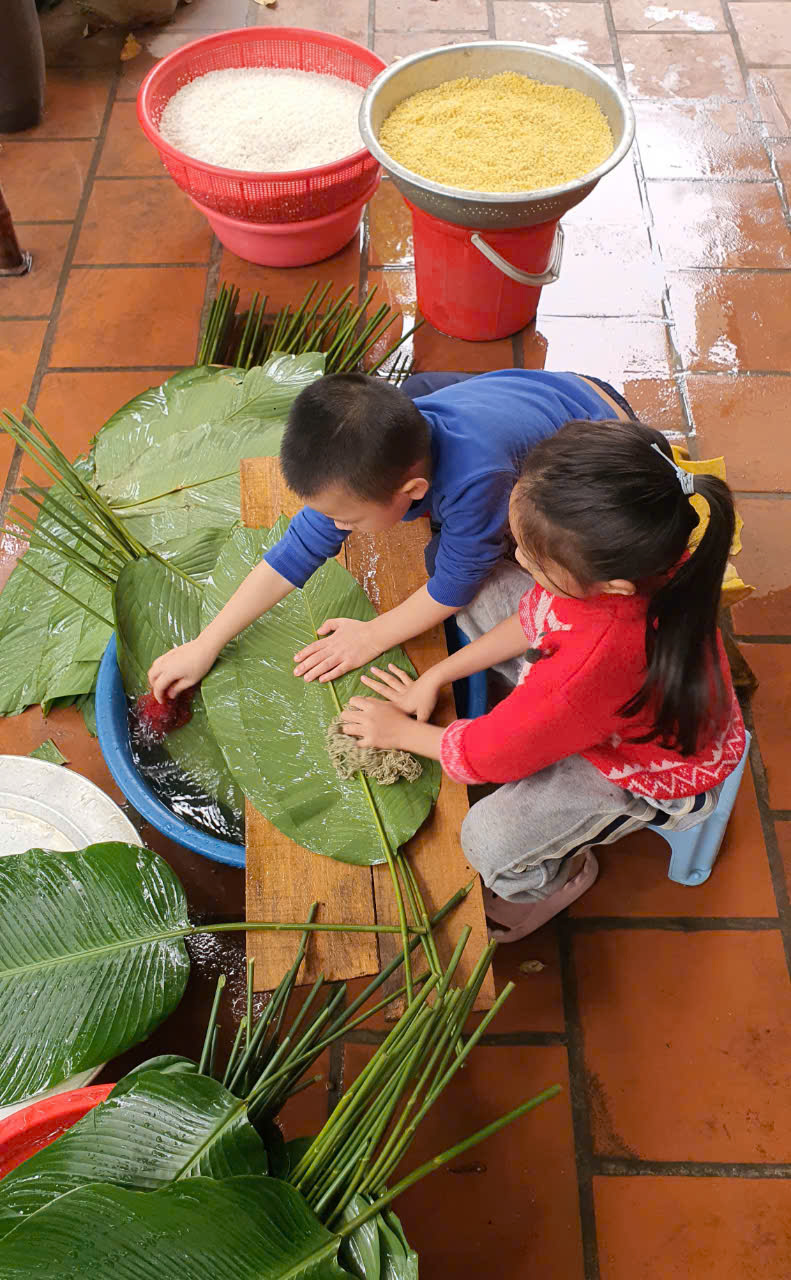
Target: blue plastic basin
[{"x": 112, "y": 728}]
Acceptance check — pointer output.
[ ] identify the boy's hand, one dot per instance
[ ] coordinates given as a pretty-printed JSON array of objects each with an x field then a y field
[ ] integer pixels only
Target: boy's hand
[
  {"x": 180, "y": 668},
  {"x": 347, "y": 645},
  {"x": 375, "y": 724},
  {"x": 414, "y": 697}
]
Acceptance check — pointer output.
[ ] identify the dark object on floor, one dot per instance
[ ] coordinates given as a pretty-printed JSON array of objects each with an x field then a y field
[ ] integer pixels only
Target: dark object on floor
[
  {"x": 13, "y": 261},
  {"x": 157, "y": 719},
  {"x": 129, "y": 13},
  {"x": 21, "y": 68}
]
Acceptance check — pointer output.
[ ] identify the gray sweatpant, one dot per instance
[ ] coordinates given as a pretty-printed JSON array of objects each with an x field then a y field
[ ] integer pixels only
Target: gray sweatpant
[{"x": 523, "y": 836}]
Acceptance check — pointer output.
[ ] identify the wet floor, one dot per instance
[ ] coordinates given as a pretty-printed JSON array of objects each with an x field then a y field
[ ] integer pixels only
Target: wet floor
[{"x": 665, "y": 1012}]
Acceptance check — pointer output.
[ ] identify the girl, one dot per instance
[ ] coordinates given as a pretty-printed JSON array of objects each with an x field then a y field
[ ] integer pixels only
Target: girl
[{"x": 623, "y": 712}]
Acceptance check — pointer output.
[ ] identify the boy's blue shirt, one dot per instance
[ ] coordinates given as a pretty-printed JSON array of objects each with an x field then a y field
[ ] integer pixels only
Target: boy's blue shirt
[{"x": 481, "y": 431}]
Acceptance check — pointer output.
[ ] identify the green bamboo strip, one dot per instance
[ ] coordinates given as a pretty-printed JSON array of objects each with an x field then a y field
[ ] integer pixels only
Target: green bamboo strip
[
  {"x": 50, "y": 543},
  {"x": 240, "y": 1031},
  {"x": 210, "y": 1030},
  {"x": 71, "y": 523},
  {"x": 400, "y": 342},
  {"x": 24, "y": 563}
]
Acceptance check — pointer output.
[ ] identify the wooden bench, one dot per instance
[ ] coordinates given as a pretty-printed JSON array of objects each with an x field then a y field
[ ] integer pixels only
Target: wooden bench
[{"x": 283, "y": 879}]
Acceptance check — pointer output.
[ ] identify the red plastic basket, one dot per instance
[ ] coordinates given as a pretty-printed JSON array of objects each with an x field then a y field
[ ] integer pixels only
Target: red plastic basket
[
  {"x": 28, "y": 1131},
  {"x": 262, "y": 197}
]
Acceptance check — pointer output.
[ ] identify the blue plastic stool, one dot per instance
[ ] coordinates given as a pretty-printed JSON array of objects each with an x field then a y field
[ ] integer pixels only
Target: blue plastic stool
[
  {"x": 694, "y": 852},
  {"x": 471, "y": 693}
]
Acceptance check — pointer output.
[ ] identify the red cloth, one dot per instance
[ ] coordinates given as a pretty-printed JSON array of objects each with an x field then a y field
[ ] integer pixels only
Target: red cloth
[{"x": 567, "y": 704}]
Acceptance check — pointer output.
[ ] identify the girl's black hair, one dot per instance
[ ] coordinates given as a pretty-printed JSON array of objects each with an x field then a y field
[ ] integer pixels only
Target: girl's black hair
[{"x": 598, "y": 500}]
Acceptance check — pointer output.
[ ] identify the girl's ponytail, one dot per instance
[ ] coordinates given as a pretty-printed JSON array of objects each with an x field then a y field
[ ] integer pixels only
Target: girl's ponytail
[{"x": 684, "y": 681}]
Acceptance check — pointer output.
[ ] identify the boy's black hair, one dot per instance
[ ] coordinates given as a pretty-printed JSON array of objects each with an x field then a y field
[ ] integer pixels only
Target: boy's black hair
[
  {"x": 598, "y": 500},
  {"x": 353, "y": 430}
]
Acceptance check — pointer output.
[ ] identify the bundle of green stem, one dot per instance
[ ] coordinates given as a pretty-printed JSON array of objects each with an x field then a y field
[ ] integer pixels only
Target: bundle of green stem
[
  {"x": 345, "y": 333},
  {"x": 266, "y": 1064},
  {"x": 376, "y": 1120},
  {"x": 351, "y": 1160},
  {"x": 70, "y": 518}
]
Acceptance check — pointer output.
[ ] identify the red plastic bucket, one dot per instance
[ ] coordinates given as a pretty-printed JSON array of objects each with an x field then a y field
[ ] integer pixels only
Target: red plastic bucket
[
  {"x": 28, "y": 1131},
  {"x": 289, "y": 244},
  {"x": 482, "y": 285}
]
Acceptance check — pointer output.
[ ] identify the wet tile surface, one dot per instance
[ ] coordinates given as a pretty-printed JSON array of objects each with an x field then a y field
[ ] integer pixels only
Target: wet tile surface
[
  {"x": 438, "y": 15},
  {"x": 624, "y": 352},
  {"x": 764, "y": 32},
  {"x": 389, "y": 229},
  {"x": 606, "y": 271},
  {"x": 733, "y": 321},
  {"x": 642, "y": 15},
  {"x": 671, "y": 1003},
  {"x": 399, "y": 44},
  {"x": 701, "y": 139},
  {"x": 681, "y": 66},
  {"x": 772, "y": 86},
  {"x": 729, "y": 224},
  {"x": 577, "y": 29},
  {"x": 741, "y": 417}
]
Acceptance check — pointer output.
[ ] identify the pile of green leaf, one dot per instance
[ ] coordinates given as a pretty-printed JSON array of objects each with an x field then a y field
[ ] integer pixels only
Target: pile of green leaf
[
  {"x": 92, "y": 958},
  {"x": 167, "y": 463}
]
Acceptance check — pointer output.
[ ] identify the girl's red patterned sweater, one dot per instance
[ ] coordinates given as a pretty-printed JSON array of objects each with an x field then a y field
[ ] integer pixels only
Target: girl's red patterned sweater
[{"x": 592, "y": 661}]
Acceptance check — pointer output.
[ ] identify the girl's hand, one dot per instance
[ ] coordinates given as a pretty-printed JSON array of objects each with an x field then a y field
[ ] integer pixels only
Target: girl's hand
[
  {"x": 180, "y": 668},
  {"x": 375, "y": 724},
  {"x": 346, "y": 644},
  {"x": 415, "y": 697}
]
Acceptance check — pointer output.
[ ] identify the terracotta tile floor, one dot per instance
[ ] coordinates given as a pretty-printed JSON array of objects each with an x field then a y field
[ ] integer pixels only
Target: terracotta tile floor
[{"x": 664, "y": 1012}]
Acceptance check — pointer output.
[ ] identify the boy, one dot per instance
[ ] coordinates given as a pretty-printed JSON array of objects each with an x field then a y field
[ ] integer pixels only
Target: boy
[{"x": 366, "y": 455}]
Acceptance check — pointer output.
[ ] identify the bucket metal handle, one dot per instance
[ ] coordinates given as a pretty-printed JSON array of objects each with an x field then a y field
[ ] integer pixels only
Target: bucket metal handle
[{"x": 524, "y": 277}]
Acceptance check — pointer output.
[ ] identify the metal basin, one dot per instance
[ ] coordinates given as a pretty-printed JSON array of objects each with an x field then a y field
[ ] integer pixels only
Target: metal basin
[{"x": 482, "y": 59}]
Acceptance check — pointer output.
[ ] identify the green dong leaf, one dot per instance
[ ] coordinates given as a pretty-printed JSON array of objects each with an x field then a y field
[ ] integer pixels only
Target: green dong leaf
[
  {"x": 155, "y": 609},
  {"x": 196, "y": 428},
  {"x": 247, "y": 1228},
  {"x": 272, "y": 727},
  {"x": 378, "y": 1250},
  {"x": 163, "y": 1128},
  {"x": 92, "y": 959}
]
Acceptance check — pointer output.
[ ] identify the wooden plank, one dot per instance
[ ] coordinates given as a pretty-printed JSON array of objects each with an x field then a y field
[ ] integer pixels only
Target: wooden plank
[
  {"x": 283, "y": 879},
  {"x": 390, "y": 566}
]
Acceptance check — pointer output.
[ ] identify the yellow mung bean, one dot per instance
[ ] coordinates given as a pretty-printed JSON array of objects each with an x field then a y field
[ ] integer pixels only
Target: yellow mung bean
[{"x": 505, "y": 133}]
